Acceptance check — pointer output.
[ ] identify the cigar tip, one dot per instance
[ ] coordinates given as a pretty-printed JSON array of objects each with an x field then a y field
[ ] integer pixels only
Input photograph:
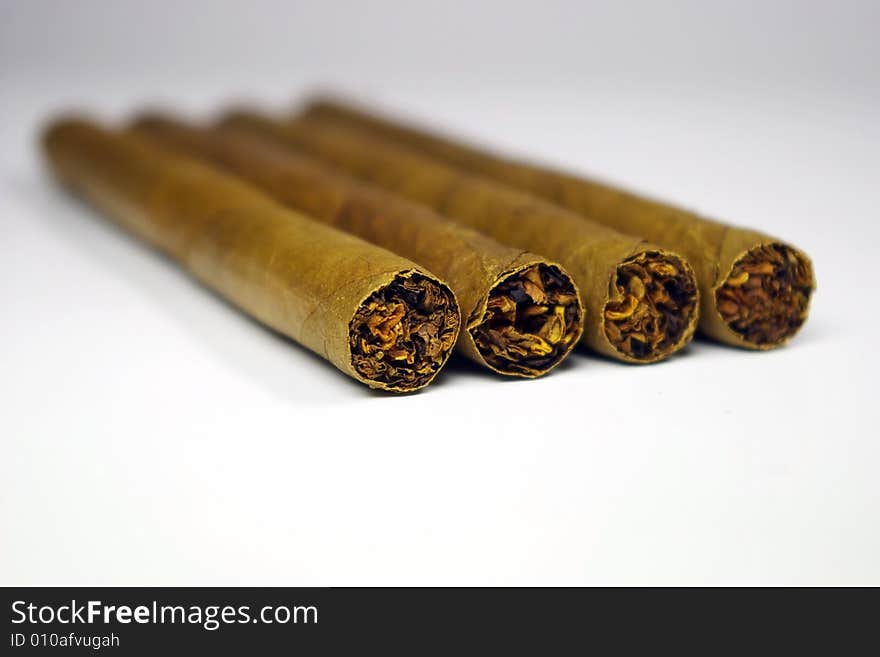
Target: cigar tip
[
  {"x": 55, "y": 127},
  {"x": 533, "y": 318},
  {"x": 321, "y": 96},
  {"x": 152, "y": 117},
  {"x": 655, "y": 308},
  {"x": 765, "y": 297},
  {"x": 239, "y": 111},
  {"x": 402, "y": 335}
]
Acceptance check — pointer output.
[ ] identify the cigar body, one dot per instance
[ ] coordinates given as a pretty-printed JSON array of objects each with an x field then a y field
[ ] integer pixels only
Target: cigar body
[
  {"x": 634, "y": 326},
  {"x": 330, "y": 291},
  {"x": 477, "y": 268},
  {"x": 763, "y": 312}
]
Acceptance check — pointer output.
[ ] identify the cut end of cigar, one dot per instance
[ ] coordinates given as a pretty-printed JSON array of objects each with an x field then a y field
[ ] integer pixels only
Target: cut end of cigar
[
  {"x": 766, "y": 296},
  {"x": 532, "y": 321},
  {"x": 403, "y": 333},
  {"x": 657, "y": 311}
]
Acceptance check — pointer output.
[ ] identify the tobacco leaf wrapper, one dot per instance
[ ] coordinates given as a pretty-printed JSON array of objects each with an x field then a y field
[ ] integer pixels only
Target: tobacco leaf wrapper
[
  {"x": 373, "y": 314},
  {"x": 523, "y": 313},
  {"x": 640, "y": 300},
  {"x": 755, "y": 289}
]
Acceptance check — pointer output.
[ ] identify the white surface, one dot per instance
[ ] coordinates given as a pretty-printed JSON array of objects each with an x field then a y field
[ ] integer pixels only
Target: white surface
[{"x": 151, "y": 434}]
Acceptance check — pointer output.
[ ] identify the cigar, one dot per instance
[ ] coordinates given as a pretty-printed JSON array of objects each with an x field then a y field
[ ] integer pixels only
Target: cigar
[
  {"x": 641, "y": 300},
  {"x": 755, "y": 289},
  {"x": 523, "y": 313},
  {"x": 374, "y": 315}
]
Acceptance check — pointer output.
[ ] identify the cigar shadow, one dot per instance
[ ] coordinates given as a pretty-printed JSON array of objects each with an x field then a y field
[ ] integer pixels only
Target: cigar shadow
[
  {"x": 690, "y": 350},
  {"x": 457, "y": 368},
  {"x": 807, "y": 335},
  {"x": 460, "y": 368},
  {"x": 279, "y": 365}
]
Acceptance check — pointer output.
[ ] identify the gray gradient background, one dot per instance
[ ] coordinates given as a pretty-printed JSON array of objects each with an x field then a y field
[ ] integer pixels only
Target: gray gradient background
[{"x": 152, "y": 435}]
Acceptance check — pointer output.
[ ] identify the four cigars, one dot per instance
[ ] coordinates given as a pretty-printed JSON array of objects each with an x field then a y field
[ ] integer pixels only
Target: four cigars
[
  {"x": 755, "y": 289},
  {"x": 382, "y": 247}
]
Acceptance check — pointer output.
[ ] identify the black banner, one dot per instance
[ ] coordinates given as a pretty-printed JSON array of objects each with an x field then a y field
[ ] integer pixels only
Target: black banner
[{"x": 135, "y": 621}]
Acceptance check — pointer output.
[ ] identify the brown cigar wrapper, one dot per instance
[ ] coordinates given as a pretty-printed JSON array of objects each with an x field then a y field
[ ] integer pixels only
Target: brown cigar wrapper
[
  {"x": 711, "y": 247},
  {"x": 472, "y": 263},
  {"x": 589, "y": 252},
  {"x": 303, "y": 279}
]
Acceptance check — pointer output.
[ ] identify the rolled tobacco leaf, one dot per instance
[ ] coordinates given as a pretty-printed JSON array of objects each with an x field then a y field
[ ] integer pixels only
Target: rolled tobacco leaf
[
  {"x": 638, "y": 321},
  {"x": 755, "y": 289},
  {"x": 523, "y": 312},
  {"x": 374, "y": 315}
]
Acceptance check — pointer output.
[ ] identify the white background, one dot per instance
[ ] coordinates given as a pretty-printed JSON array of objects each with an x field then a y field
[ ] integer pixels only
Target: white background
[{"x": 151, "y": 434}]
